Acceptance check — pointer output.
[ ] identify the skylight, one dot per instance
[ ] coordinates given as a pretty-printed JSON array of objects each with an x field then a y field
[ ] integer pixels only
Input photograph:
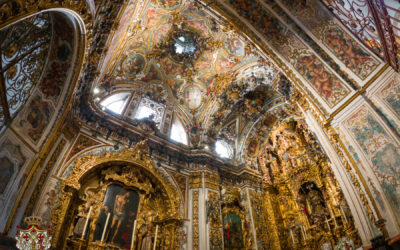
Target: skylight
[
  {"x": 223, "y": 149},
  {"x": 115, "y": 103}
]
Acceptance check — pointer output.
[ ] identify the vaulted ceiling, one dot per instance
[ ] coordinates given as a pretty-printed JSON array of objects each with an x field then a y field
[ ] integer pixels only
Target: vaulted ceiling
[{"x": 187, "y": 63}]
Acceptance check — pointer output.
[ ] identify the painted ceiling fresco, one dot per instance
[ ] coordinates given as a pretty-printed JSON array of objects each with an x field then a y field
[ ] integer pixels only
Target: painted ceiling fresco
[
  {"x": 151, "y": 55},
  {"x": 381, "y": 33},
  {"x": 181, "y": 56}
]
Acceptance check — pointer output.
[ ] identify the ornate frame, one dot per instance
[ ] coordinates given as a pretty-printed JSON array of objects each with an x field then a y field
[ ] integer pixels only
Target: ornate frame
[{"x": 135, "y": 156}]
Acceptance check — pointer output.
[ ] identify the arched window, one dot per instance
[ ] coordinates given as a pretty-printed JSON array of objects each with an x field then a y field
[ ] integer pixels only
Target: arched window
[
  {"x": 178, "y": 132},
  {"x": 115, "y": 103},
  {"x": 149, "y": 108},
  {"x": 223, "y": 149},
  {"x": 24, "y": 48}
]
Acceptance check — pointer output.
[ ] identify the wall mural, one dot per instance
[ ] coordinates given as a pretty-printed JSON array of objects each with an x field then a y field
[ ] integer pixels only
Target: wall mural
[
  {"x": 381, "y": 150},
  {"x": 35, "y": 118},
  {"x": 343, "y": 46},
  {"x": 122, "y": 28},
  {"x": 391, "y": 95},
  {"x": 11, "y": 162},
  {"x": 60, "y": 62},
  {"x": 320, "y": 77},
  {"x": 350, "y": 52}
]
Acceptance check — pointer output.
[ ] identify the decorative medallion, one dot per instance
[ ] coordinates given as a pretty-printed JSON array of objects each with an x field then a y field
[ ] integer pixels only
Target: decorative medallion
[
  {"x": 133, "y": 64},
  {"x": 234, "y": 46},
  {"x": 192, "y": 97}
]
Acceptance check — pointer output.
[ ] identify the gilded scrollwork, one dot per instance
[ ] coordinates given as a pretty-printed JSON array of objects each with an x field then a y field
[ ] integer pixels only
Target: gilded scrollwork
[{"x": 131, "y": 168}]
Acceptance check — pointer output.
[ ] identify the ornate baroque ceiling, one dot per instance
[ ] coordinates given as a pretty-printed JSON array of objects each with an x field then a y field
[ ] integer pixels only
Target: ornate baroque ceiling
[{"x": 179, "y": 57}]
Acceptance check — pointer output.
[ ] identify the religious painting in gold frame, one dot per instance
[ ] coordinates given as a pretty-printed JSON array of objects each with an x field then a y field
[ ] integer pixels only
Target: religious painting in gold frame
[
  {"x": 252, "y": 147},
  {"x": 117, "y": 216}
]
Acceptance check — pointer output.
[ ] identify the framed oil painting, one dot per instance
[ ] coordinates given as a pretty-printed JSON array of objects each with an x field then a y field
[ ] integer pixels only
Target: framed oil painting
[
  {"x": 233, "y": 236},
  {"x": 122, "y": 205}
]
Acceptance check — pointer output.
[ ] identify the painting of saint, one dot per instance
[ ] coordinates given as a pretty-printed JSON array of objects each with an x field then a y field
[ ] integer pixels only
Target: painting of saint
[
  {"x": 252, "y": 148},
  {"x": 234, "y": 46},
  {"x": 192, "y": 96},
  {"x": 36, "y": 118},
  {"x": 122, "y": 205},
  {"x": 6, "y": 172},
  {"x": 133, "y": 64},
  {"x": 169, "y": 4},
  {"x": 233, "y": 237}
]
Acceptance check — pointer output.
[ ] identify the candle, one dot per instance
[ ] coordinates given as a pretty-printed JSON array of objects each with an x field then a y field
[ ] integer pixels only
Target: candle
[
  {"x": 333, "y": 216},
  {"x": 327, "y": 223},
  {"x": 86, "y": 223},
  {"x": 105, "y": 227},
  {"x": 291, "y": 236},
  {"x": 302, "y": 232},
  {"x": 155, "y": 238},
  {"x": 305, "y": 232},
  {"x": 344, "y": 215},
  {"x": 133, "y": 235}
]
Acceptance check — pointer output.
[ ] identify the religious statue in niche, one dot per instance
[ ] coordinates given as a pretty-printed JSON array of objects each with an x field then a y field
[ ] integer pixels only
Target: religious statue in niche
[
  {"x": 313, "y": 203},
  {"x": 146, "y": 237},
  {"x": 133, "y": 64},
  {"x": 117, "y": 216},
  {"x": 80, "y": 221}
]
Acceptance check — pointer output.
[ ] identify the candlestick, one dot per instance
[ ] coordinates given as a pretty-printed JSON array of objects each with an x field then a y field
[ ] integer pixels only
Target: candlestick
[
  {"x": 105, "y": 227},
  {"x": 133, "y": 235},
  {"x": 344, "y": 215},
  {"x": 86, "y": 223},
  {"x": 155, "y": 238},
  {"x": 291, "y": 236}
]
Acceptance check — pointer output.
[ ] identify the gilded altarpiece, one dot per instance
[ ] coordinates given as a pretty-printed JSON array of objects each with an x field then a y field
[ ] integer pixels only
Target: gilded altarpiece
[
  {"x": 264, "y": 220},
  {"x": 310, "y": 213},
  {"x": 112, "y": 193}
]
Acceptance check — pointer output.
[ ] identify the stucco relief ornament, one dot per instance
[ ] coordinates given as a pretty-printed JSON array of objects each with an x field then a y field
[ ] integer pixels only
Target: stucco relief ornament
[{"x": 33, "y": 237}]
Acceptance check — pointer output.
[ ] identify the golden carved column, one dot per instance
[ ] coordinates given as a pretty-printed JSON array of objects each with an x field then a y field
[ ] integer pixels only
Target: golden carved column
[
  {"x": 195, "y": 189},
  {"x": 264, "y": 220},
  {"x": 63, "y": 217},
  {"x": 213, "y": 211}
]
